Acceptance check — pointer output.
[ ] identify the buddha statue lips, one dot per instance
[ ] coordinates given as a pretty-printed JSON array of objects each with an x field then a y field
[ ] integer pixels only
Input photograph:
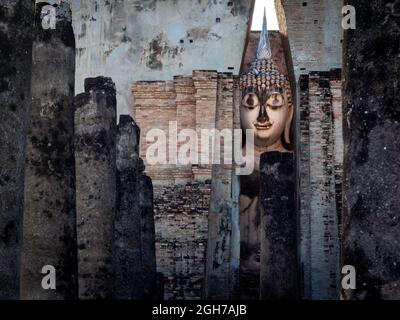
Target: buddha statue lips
[{"x": 263, "y": 126}]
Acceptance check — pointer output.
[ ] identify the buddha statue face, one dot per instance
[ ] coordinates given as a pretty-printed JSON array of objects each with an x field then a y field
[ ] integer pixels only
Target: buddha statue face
[{"x": 269, "y": 116}]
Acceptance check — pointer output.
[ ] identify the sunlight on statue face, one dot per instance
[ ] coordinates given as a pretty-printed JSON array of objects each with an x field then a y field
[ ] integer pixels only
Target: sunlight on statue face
[{"x": 266, "y": 115}]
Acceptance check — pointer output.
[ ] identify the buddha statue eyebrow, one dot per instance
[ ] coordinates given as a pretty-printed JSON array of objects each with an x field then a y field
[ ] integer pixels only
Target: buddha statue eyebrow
[{"x": 275, "y": 90}]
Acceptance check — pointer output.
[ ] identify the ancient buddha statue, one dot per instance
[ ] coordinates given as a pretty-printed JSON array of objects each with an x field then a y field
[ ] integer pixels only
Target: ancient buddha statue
[{"x": 267, "y": 110}]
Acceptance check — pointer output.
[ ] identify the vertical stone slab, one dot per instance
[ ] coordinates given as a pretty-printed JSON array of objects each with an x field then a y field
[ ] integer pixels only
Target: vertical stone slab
[
  {"x": 127, "y": 247},
  {"x": 278, "y": 239},
  {"x": 49, "y": 211},
  {"x": 324, "y": 233},
  {"x": 160, "y": 286},
  {"x": 147, "y": 235},
  {"x": 337, "y": 115},
  {"x": 15, "y": 59},
  {"x": 371, "y": 124},
  {"x": 235, "y": 196},
  {"x": 304, "y": 188},
  {"x": 321, "y": 157},
  {"x": 95, "y": 161},
  {"x": 218, "y": 279}
]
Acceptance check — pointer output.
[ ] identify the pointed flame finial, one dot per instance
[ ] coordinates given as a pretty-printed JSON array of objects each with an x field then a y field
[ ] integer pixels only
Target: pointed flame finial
[{"x": 264, "y": 47}]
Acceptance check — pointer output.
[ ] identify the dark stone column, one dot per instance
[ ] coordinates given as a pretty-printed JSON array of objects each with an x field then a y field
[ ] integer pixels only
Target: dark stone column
[
  {"x": 278, "y": 262},
  {"x": 320, "y": 232},
  {"x": 148, "y": 235},
  {"x": 160, "y": 286},
  {"x": 95, "y": 160},
  {"x": 15, "y": 72},
  {"x": 371, "y": 110},
  {"x": 49, "y": 213},
  {"x": 304, "y": 189},
  {"x": 127, "y": 248}
]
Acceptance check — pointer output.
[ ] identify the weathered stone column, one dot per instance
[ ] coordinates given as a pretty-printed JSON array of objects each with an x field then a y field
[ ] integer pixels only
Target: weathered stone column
[
  {"x": 95, "y": 160},
  {"x": 278, "y": 262},
  {"x": 147, "y": 235},
  {"x": 371, "y": 111},
  {"x": 160, "y": 286},
  {"x": 304, "y": 189},
  {"x": 320, "y": 184},
  {"x": 219, "y": 277},
  {"x": 15, "y": 59},
  {"x": 127, "y": 247},
  {"x": 49, "y": 213},
  {"x": 235, "y": 198},
  {"x": 324, "y": 232}
]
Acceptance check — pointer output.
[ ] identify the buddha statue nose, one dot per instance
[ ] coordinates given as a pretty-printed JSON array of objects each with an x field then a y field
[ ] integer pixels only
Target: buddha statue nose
[{"x": 262, "y": 115}]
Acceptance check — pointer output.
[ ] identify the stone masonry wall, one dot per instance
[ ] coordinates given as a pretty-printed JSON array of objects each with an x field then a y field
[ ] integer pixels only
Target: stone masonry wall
[
  {"x": 188, "y": 101},
  {"x": 314, "y": 32},
  {"x": 181, "y": 236},
  {"x": 155, "y": 40}
]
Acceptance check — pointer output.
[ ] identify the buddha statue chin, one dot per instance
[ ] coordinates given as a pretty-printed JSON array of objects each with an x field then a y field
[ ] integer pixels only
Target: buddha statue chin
[{"x": 266, "y": 109}]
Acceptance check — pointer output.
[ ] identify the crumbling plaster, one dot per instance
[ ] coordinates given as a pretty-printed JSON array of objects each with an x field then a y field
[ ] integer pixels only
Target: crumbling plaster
[{"x": 154, "y": 40}]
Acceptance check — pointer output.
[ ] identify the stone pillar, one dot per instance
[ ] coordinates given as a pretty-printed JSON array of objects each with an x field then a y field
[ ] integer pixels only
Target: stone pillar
[
  {"x": 218, "y": 280},
  {"x": 235, "y": 196},
  {"x": 371, "y": 124},
  {"x": 337, "y": 115},
  {"x": 324, "y": 230},
  {"x": 15, "y": 73},
  {"x": 49, "y": 213},
  {"x": 95, "y": 161},
  {"x": 148, "y": 235},
  {"x": 160, "y": 286},
  {"x": 304, "y": 187},
  {"x": 278, "y": 262},
  {"x": 127, "y": 247}
]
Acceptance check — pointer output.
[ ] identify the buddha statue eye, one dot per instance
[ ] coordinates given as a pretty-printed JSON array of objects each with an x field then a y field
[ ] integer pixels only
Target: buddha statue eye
[
  {"x": 275, "y": 100},
  {"x": 250, "y": 101}
]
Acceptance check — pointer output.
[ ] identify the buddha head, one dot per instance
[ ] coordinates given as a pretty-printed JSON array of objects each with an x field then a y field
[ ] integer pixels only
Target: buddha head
[{"x": 266, "y": 107}]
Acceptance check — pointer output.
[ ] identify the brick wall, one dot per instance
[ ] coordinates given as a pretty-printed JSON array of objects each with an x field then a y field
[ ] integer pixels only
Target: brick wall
[
  {"x": 154, "y": 108},
  {"x": 191, "y": 102},
  {"x": 181, "y": 236}
]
